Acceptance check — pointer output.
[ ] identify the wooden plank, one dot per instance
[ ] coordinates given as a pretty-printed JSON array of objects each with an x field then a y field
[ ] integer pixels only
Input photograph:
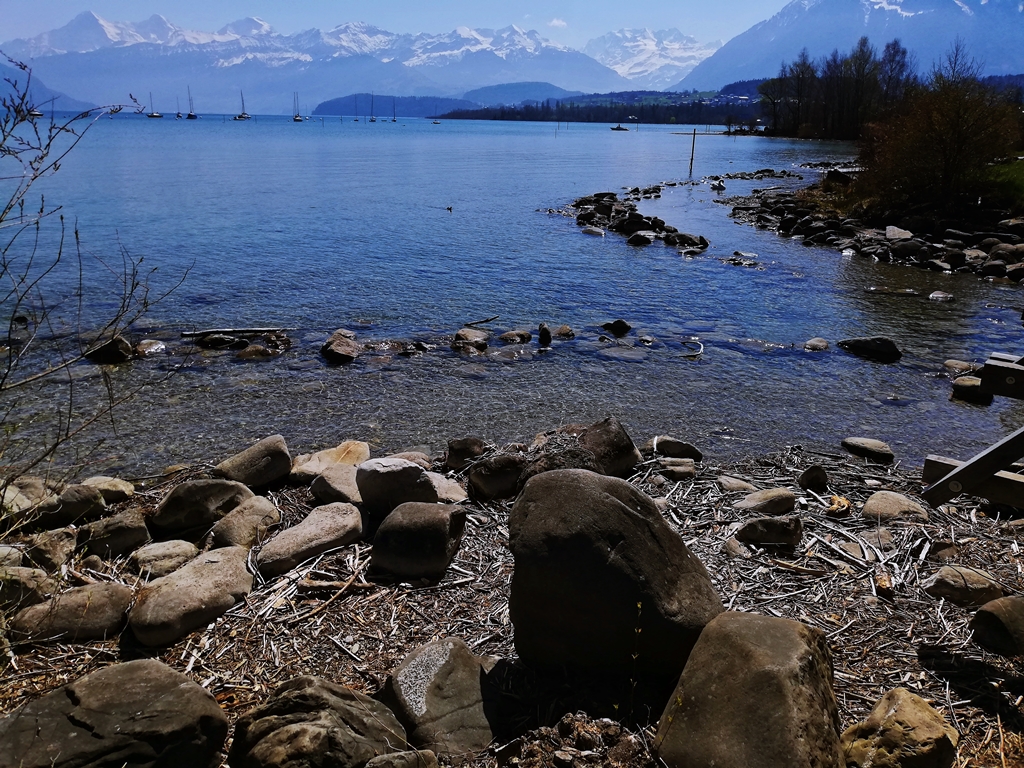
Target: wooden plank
[
  {"x": 1002, "y": 488},
  {"x": 999, "y": 377},
  {"x": 1003, "y": 357},
  {"x": 969, "y": 475}
]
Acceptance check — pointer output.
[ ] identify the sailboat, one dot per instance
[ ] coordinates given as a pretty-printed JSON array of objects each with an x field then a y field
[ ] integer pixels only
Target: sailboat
[
  {"x": 296, "y": 116},
  {"x": 394, "y": 110},
  {"x": 243, "y": 115},
  {"x": 372, "y": 118},
  {"x": 191, "y": 108},
  {"x": 177, "y": 103},
  {"x": 355, "y": 108},
  {"x": 152, "y": 112}
]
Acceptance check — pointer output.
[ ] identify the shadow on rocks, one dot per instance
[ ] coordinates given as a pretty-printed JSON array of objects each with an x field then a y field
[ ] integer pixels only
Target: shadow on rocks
[{"x": 986, "y": 685}]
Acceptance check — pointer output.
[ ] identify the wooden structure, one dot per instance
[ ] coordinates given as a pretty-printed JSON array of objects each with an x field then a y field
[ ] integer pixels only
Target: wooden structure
[{"x": 991, "y": 474}]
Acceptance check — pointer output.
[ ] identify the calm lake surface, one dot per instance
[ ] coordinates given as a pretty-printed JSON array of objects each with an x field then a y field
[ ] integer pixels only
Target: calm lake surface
[{"x": 322, "y": 225}]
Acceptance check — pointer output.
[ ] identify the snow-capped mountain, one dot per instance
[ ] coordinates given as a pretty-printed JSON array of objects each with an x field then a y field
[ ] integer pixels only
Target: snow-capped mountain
[
  {"x": 652, "y": 60},
  {"x": 102, "y": 61},
  {"x": 992, "y": 29}
]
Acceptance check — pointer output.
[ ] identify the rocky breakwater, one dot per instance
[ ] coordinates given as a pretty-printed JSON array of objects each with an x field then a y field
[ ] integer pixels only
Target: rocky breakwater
[
  {"x": 995, "y": 251},
  {"x": 604, "y": 210},
  {"x": 341, "y": 609}
]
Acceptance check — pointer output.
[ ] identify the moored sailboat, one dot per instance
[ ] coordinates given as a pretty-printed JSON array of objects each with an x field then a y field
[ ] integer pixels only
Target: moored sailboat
[
  {"x": 191, "y": 107},
  {"x": 243, "y": 115},
  {"x": 296, "y": 115},
  {"x": 152, "y": 112}
]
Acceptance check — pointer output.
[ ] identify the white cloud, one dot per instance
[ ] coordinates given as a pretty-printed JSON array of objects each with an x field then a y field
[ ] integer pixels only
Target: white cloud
[{"x": 557, "y": 23}]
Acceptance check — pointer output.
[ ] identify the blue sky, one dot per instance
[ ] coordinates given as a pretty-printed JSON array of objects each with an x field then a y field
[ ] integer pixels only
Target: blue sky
[{"x": 571, "y": 22}]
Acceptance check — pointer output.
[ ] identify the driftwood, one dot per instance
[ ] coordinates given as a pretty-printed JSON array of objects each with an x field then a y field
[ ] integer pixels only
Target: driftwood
[
  {"x": 481, "y": 322},
  {"x": 232, "y": 332}
]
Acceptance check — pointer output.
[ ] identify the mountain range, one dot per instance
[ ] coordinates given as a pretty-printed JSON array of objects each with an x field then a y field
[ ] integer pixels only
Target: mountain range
[
  {"x": 993, "y": 31},
  {"x": 102, "y": 61},
  {"x": 650, "y": 60}
]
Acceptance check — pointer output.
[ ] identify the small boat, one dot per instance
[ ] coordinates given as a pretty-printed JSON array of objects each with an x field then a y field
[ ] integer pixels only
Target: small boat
[
  {"x": 619, "y": 128},
  {"x": 296, "y": 116},
  {"x": 372, "y": 118},
  {"x": 178, "y": 114},
  {"x": 152, "y": 112},
  {"x": 34, "y": 113},
  {"x": 394, "y": 110},
  {"x": 191, "y": 108},
  {"x": 243, "y": 115}
]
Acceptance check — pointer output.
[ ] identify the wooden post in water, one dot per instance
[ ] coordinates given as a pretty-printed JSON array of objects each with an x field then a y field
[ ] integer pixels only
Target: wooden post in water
[{"x": 693, "y": 147}]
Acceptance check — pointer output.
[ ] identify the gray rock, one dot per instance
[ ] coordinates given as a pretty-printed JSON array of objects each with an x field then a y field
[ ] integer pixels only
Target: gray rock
[
  {"x": 999, "y": 626},
  {"x": 385, "y": 483},
  {"x": 731, "y": 484},
  {"x": 312, "y": 723},
  {"x": 111, "y": 352},
  {"x": 246, "y": 525},
  {"x": 869, "y": 448},
  {"x": 111, "y": 489},
  {"x": 817, "y": 344},
  {"x": 438, "y": 694},
  {"x": 901, "y": 731},
  {"x": 192, "y": 508},
  {"x": 169, "y": 608},
  {"x": 327, "y": 527},
  {"x": 962, "y": 585},
  {"x": 418, "y": 540},
  {"x": 463, "y": 452},
  {"x": 307, "y": 467},
  {"x": 588, "y": 548},
  {"x": 756, "y": 691},
  {"x": 416, "y": 758},
  {"x": 93, "y": 612},
  {"x": 611, "y": 445},
  {"x": 516, "y": 337},
  {"x": 156, "y": 560},
  {"x": 771, "y": 501},
  {"x": 52, "y": 549},
  {"x": 558, "y": 453},
  {"x": 115, "y": 536},
  {"x": 780, "y": 531},
  {"x": 150, "y": 347},
  {"x": 77, "y": 504},
  {"x": 448, "y": 490},
  {"x": 416, "y": 457},
  {"x": 886, "y": 506},
  {"x": 336, "y": 483},
  {"x": 895, "y": 233},
  {"x": 341, "y": 348},
  {"x": 259, "y": 465},
  {"x": 11, "y": 557},
  {"x": 960, "y": 366},
  {"x": 814, "y": 478},
  {"x": 141, "y": 713},
  {"x": 639, "y": 239},
  {"x": 968, "y": 389},
  {"x": 496, "y": 477},
  {"x": 22, "y": 587},
  {"x": 877, "y": 348},
  {"x": 665, "y": 445}
]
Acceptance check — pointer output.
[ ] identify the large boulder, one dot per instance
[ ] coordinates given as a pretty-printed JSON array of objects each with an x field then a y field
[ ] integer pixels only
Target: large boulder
[
  {"x": 463, "y": 452},
  {"x": 246, "y": 525},
  {"x": 156, "y": 560},
  {"x": 21, "y": 587},
  {"x": 307, "y": 467},
  {"x": 111, "y": 489},
  {"x": 418, "y": 540},
  {"x": 259, "y": 465},
  {"x": 169, "y": 608},
  {"x": 756, "y": 690},
  {"x": 877, "y": 348},
  {"x": 902, "y": 731},
  {"x": 327, "y": 527},
  {"x": 76, "y": 504},
  {"x": 92, "y": 612},
  {"x": 312, "y": 723},
  {"x": 142, "y": 714},
  {"x": 385, "y": 483},
  {"x": 600, "y": 576},
  {"x": 192, "y": 508},
  {"x": 115, "y": 536},
  {"x": 999, "y": 626},
  {"x": 611, "y": 445},
  {"x": 438, "y": 693}
]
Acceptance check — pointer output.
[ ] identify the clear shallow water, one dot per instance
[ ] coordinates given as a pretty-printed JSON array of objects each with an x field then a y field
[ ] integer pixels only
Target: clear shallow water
[{"x": 317, "y": 226}]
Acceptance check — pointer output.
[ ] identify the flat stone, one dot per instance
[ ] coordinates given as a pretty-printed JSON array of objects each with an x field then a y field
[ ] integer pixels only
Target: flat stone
[
  {"x": 962, "y": 585},
  {"x": 115, "y": 536},
  {"x": 666, "y": 445},
  {"x": 336, "y": 483},
  {"x": 305, "y": 468},
  {"x": 312, "y": 723},
  {"x": 341, "y": 348},
  {"x": 156, "y": 560},
  {"x": 258, "y": 466},
  {"x": 756, "y": 691},
  {"x": 385, "y": 483},
  {"x": 326, "y": 527},
  {"x": 780, "y": 531},
  {"x": 141, "y": 713},
  {"x": 901, "y": 731},
  {"x": 191, "y": 597},
  {"x": 869, "y": 448},
  {"x": 111, "y": 489},
  {"x": 22, "y": 587},
  {"x": 246, "y": 525},
  {"x": 731, "y": 484},
  {"x": 886, "y": 506},
  {"x": 82, "y": 614},
  {"x": 193, "y": 507},
  {"x": 771, "y": 501},
  {"x": 999, "y": 626},
  {"x": 677, "y": 470},
  {"x": 448, "y": 490},
  {"x": 418, "y": 540}
]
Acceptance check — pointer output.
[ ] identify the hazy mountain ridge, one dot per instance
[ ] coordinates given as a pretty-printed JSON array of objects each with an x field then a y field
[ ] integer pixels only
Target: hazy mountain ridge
[
  {"x": 992, "y": 29},
  {"x": 650, "y": 59}
]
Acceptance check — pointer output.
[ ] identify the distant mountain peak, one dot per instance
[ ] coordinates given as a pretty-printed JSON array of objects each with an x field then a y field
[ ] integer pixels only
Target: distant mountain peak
[
  {"x": 651, "y": 59},
  {"x": 250, "y": 26}
]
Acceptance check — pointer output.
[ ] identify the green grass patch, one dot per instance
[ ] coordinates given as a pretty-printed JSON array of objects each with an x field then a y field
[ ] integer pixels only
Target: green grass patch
[{"x": 1009, "y": 181}]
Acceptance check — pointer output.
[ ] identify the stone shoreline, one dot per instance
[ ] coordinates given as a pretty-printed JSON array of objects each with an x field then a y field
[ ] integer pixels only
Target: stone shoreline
[{"x": 398, "y": 610}]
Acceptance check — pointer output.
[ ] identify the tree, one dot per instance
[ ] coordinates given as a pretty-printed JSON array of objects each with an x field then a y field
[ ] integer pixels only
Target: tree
[{"x": 49, "y": 331}]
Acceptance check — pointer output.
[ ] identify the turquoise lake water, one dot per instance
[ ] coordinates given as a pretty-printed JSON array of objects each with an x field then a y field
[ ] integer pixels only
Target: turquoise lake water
[{"x": 322, "y": 225}]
